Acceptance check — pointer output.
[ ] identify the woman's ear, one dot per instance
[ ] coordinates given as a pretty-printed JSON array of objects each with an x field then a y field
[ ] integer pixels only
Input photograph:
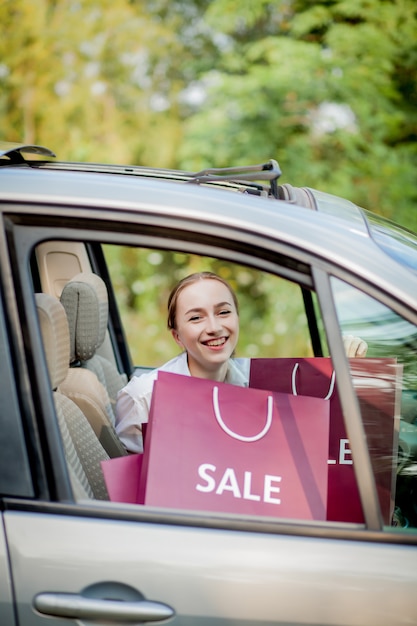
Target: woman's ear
[{"x": 176, "y": 337}]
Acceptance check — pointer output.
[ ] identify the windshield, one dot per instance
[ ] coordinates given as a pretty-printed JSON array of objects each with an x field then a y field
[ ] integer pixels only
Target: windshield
[{"x": 397, "y": 242}]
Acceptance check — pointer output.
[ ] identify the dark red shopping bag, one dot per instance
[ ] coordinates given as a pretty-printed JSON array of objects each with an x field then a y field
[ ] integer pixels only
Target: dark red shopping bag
[
  {"x": 218, "y": 447},
  {"x": 376, "y": 384},
  {"x": 121, "y": 475}
]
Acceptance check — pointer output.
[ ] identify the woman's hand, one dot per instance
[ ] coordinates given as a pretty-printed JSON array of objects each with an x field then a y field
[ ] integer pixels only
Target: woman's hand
[{"x": 354, "y": 346}]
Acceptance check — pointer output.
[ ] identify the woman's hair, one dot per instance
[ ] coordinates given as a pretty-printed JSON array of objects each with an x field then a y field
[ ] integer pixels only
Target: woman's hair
[{"x": 189, "y": 280}]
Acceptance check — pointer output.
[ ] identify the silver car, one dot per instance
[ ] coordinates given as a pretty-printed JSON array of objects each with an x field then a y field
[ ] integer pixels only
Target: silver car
[{"x": 69, "y": 554}]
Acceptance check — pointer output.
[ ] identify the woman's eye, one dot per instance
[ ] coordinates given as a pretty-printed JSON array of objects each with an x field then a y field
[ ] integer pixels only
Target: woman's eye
[
  {"x": 195, "y": 318},
  {"x": 224, "y": 312}
]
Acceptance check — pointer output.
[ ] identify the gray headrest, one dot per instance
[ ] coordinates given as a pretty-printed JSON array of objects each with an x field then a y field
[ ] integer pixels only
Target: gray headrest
[
  {"x": 85, "y": 300},
  {"x": 55, "y": 335}
]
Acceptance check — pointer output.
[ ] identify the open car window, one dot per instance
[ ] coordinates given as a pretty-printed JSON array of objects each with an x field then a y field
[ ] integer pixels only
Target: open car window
[
  {"x": 273, "y": 317},
  {"x": 282, "y": 349}
]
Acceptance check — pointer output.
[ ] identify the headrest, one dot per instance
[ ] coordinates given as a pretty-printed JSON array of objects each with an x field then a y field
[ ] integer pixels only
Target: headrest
[
  {"x": 55, "y": 335},
  {"x": 85, "y": 301}
]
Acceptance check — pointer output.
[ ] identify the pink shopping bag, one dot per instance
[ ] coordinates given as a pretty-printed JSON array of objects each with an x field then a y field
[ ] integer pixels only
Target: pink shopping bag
[
  {"x": 218, "y": 447},
  {"x": 376, "y": 384}
]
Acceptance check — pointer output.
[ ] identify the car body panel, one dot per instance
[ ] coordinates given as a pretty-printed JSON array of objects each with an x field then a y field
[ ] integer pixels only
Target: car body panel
[
  {"x": 7, "y": 612},
  {"x": 216, "y": 577}
]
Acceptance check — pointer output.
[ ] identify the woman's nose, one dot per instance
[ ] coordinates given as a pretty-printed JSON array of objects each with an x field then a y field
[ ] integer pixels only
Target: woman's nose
[{"x": 213, "y": 324}]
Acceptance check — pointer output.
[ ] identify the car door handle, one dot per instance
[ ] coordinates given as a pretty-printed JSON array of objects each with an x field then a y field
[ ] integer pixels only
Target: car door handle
[{"x": 78, "y": 606}]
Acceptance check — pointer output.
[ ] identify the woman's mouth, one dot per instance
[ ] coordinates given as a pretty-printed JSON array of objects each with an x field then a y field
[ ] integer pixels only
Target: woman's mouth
[{"x": 218, "y": 342}]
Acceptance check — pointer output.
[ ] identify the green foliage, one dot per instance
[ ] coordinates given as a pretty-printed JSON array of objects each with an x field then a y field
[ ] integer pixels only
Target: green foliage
[
  {"x": 331, "y": 94},
  {"x": 89, "y": 79}
]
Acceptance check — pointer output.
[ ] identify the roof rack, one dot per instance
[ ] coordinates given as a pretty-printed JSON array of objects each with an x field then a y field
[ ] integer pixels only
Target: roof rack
[
  {"x": 14, "y": 151},
  {"x": 247, "y": 177},
  {"x": 269, "y": 171}
]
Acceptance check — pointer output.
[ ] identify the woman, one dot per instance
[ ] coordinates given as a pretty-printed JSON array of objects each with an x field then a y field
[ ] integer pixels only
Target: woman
[{"x": 203, "y": 319}]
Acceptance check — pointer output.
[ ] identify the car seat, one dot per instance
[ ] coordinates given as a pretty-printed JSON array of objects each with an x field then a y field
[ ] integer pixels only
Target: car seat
[
  {"x": 85, "y": 300},
  {"x": 86, "y": 391},
  {"x": 83, "y": 450}
]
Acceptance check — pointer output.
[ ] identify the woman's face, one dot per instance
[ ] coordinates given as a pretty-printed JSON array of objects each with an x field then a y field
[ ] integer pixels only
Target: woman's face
[{"x": 207, "y": 327}]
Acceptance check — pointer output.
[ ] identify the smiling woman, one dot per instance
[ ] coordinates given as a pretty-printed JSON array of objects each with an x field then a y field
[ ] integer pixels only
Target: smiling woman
[
  {"x": 204, "y": 321},
  {"x": 203, "y": 318}
]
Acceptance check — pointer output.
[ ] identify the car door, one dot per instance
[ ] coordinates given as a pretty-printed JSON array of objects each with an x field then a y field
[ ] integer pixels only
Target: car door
[{"x": 105, "y": 562}]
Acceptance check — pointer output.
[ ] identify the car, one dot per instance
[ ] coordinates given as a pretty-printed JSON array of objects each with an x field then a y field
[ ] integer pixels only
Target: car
[{"x": 320, "y": 269}]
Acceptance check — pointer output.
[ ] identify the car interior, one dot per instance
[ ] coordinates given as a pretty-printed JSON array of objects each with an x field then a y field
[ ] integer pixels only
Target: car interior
[{"x": 73, "y": 311}]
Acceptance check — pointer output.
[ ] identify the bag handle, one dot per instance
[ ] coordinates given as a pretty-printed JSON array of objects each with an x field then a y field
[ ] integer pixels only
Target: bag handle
[
  {"x": 230, "y": 432},
  {"x": 294, "y": 386}
]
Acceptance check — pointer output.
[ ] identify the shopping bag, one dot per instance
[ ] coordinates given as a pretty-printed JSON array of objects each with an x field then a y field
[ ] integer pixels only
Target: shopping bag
[
  {"x": 218, "y": 447},
  {"x": 376, "y": 382},
  {"x": 121, "y": 475}
]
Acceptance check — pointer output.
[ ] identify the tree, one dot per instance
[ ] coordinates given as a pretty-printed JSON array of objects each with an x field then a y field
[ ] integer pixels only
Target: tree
[
  {"x": 92, "y": 79},
  {"x": 328, "y": 88}
]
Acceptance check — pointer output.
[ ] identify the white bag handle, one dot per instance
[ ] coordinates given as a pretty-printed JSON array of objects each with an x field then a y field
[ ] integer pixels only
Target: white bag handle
[
  {"x": 235, "y": 435},
  {"x": 294, "y": 387}
]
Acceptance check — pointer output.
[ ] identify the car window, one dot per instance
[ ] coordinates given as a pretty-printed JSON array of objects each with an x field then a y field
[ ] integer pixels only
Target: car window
[
  {"x": 281, "y": 349},
  {"x": 274, "y": 338},
  {"x": 390, "y": 338}
]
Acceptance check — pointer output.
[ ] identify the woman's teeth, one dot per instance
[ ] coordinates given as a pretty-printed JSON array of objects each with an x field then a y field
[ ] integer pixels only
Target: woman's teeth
[{"x": 216, "y": 342}]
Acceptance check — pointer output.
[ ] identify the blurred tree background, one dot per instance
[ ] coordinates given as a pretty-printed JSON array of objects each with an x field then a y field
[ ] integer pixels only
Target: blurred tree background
[{"x": 328, "y": 88}]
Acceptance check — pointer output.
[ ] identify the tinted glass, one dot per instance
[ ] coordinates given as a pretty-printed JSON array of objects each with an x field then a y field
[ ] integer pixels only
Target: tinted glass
[
  {"x": 392, "y": 340},
  {"x": 395, "y": 241},
  {"x": 15, "y": 476}
]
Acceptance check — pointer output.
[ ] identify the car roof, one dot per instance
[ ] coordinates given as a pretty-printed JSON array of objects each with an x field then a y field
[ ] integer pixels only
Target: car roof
[{"x": 338, "y": 231}]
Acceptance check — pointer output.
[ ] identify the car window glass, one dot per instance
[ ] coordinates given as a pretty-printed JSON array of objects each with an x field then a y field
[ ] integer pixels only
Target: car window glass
[
  {"x": 390, "y": 338},
  {"x": 395, "y": 241},
  {"x": 14, "y": 466}
]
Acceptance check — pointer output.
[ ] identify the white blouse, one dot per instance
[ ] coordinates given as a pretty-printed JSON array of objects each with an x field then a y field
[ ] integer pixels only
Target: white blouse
[{"x": 134, "y": 400}]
